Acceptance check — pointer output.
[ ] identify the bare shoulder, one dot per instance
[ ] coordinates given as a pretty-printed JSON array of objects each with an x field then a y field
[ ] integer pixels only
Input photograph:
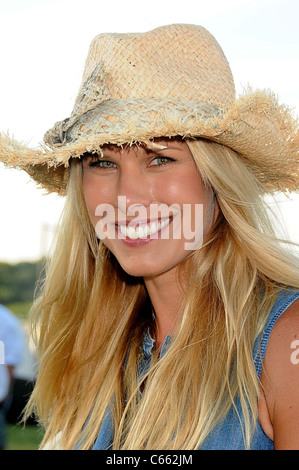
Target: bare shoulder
[
  {"x": 280, "y": 380},
  {"x": 285, "y": 332}
]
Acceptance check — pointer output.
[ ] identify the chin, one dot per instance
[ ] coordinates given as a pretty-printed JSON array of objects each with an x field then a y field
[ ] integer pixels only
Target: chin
[
  {"x": 140, "y": 271},
  {"x": 149, "y": 270}
]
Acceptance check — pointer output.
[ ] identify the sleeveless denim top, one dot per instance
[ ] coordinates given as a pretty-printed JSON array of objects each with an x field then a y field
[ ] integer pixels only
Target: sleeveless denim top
[{"x": 228, "y": 434}]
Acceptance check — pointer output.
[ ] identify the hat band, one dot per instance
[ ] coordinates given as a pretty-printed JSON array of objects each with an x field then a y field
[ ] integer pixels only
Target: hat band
[{"x": 132, "y": 120}]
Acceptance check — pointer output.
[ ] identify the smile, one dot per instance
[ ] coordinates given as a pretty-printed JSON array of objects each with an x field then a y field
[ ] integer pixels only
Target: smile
[{"x": 143, "y": 231}]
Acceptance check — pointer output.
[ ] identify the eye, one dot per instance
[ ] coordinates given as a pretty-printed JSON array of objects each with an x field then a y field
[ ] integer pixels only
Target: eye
[
  {"x": 160, "y": 161},
  {"x": 98, "y": 163}
]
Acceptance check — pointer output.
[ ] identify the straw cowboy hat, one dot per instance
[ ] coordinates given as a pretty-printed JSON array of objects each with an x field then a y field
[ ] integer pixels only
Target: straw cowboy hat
[{"x": 174, "y": 80}]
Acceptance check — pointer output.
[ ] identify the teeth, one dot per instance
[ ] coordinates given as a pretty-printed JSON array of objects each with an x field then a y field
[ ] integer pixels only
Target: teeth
[
  {"x": 153, "y": 228},
  {"x": 143, "y": 232}
]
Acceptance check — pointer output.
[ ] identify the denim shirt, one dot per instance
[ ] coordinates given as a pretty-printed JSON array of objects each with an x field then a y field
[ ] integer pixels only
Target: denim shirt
[{"x": 228, "y": 433}]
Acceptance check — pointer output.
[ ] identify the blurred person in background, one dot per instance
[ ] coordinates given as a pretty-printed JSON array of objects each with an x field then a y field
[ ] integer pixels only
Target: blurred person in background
[{"x": 11, "y": 347}]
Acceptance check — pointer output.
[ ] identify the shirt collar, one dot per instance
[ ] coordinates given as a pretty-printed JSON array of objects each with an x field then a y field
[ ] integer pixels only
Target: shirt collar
[{"x": 149, "y": 342}]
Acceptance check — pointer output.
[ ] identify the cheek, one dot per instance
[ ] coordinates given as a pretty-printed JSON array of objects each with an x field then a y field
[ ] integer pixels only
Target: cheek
[
  {"x": 90, "y": 201},
  {"x": 198, "y": 194},
  {"x": 188, "y": 190},
  {"x": 93, "y": 196}
]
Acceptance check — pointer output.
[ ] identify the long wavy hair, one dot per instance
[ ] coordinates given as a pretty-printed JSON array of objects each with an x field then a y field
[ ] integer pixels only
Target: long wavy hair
[{"x": 91, "y": 318}]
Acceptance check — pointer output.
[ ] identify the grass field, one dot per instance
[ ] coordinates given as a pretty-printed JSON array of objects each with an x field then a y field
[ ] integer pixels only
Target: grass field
[{"x": 23, "y": 438}]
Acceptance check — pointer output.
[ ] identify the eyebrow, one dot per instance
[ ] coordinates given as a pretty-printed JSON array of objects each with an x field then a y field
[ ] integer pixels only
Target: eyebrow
[
  {"x": 161, "y": 148},
  {"x": 155, "y": 146},
  {"x": 147, "y": 146}
]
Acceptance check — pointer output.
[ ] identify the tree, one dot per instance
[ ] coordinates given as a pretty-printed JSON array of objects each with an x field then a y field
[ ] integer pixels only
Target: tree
[{"x": 18, "y": 281}]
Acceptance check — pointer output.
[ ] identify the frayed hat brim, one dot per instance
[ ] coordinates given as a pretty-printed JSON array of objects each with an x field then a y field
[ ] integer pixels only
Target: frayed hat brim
[{"x": 262, "y": 132}]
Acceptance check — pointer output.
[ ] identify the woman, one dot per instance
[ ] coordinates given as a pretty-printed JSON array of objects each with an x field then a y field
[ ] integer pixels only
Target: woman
[{"x": 169, "y": 313}]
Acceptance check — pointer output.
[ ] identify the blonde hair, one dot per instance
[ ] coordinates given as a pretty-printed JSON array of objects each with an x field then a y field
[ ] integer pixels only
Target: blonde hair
[{"x": 92, "y": 317}]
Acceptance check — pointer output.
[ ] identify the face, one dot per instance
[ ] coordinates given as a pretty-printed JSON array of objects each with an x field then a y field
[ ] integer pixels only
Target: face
[{"x": 149, "y": 206}]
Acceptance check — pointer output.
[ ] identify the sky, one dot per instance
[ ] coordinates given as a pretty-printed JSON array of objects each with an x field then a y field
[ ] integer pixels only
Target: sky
[{"x": 44, "y": 45}]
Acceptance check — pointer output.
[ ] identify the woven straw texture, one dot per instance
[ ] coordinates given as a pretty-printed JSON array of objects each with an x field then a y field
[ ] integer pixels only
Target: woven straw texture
[{"x": 174, "y": 80}]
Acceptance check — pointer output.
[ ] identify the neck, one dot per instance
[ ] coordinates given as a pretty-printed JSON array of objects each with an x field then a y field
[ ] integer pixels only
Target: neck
[{"x": 166, "y": 294}]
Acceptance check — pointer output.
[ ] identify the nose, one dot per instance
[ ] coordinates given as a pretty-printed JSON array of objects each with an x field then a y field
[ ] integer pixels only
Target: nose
[{"x": 134, "y": 187}]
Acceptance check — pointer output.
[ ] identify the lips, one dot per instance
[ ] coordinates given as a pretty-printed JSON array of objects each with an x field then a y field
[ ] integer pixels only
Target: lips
[{"x": 142, "y": 229}]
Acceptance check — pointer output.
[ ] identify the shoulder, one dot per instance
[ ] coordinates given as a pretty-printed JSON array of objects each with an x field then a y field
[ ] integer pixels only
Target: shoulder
[
  {"x": 280, "y": 378},
  {"x": 283, "y": 339}
]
